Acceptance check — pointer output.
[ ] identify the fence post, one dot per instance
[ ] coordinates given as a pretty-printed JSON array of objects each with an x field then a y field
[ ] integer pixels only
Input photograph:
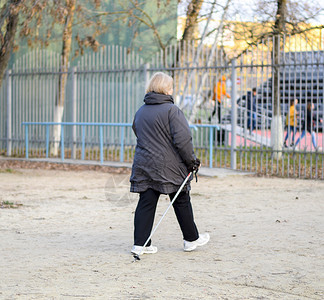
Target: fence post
[
  {"x": 211, "y": 145},
  {"x": 122, "y": 134},
  {"x": 83, "y": 142},
  {"x": 74, "y": 95},
  {"x": 101, "y": 144},
  {"x": 9, "y": 112},
  {"x": 145, "y": 74},
  {"x": 62, "y": 143},
  {"x": 26, "y": 140},
  {"x": 47, "y": 140},
  {"x": 233, "y": 116}
]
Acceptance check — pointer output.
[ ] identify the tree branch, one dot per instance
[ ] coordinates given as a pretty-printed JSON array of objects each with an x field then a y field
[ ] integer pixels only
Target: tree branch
[{"x": 150, "y": 24}]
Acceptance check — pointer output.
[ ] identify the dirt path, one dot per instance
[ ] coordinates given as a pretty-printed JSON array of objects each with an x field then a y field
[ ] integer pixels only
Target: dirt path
[{"x": 71, "y": 239}]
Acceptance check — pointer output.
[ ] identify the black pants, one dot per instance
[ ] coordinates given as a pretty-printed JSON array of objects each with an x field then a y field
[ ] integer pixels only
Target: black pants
[
  {"x": 218, "y": 108},
  {"x": 145, "y": 212},
  {"x": 220, "y": 133}
]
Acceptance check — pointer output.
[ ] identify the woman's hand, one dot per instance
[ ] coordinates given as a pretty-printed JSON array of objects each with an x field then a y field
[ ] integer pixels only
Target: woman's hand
[{"x": 195, "y": 165}]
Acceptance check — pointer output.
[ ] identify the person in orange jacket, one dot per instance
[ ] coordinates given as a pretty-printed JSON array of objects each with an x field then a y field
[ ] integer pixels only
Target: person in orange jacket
[{"x": 219, "y": 91}]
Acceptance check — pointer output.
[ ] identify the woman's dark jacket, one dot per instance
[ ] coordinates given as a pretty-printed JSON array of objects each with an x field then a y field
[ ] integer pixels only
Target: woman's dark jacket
[
  {"x": 308, "y": 124},
  {"x": 164, "y": 147}
]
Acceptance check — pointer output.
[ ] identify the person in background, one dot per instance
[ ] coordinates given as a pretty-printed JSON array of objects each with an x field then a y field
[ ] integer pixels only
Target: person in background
[
  {"x": 251, "y": 110},
  {"x": 219, "y": 94},
  {"x": 291, "y": 122},
  {"x": 308, "y": 125},
  {"x": 164, "y": 156}
]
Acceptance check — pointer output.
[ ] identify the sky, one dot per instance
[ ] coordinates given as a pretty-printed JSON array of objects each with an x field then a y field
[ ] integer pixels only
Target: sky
[{"x": 245, "y": 10}]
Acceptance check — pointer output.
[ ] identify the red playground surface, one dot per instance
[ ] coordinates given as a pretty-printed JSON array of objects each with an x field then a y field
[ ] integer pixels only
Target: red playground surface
[{"x": 304, "y": 144}]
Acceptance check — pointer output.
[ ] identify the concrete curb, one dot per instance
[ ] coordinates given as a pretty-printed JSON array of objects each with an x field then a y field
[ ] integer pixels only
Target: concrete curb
[{"x": 208, "y": 172}]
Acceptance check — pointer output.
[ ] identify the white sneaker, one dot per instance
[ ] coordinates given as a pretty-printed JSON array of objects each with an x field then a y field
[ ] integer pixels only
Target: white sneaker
[
  {"x": 202, "y": 240},
  {"x": 147, "y": 250}
]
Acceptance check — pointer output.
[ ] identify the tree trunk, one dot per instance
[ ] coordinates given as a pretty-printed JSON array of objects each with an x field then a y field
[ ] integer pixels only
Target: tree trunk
[
  {"x": 193, "y": 11},
  {"x": 191, "y": 21},
  {"x": 278, "y": 47},
  {"x": 66, "y": 50},
  {"x": 7, "y": 42},
  {"x": 211, "y": 56}
]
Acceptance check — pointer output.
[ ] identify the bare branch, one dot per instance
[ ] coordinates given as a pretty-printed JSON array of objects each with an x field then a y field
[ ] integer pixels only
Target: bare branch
[{"x": 148, "y": 23}]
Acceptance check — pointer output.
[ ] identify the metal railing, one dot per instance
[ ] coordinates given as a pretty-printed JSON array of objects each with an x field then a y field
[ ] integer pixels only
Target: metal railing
[
  {"x": 101, "y": 137},
  {"x": 103, "y": 87},
  {"x": 83, "y": 125}
]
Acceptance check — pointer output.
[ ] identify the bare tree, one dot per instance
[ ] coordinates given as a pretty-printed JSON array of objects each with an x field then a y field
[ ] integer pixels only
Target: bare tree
[
  {"x": 276, "y": 18},
  {"x": 211, "y": 55},
  {"x": 192, "y": 15},
  {"x": 273, "y": 17},
  {"x": 12, "y": 14},
  {"x": 8, "y": 28},
  {"x": 279, "y": 29},
  {"x": 69, "y": 6},
  {"x": 34, "y": 21}
]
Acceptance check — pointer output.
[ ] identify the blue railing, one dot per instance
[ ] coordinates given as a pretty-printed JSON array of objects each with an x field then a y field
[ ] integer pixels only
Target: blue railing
[
  {"x": 101, "y": 126},
  {"x": 211, "y": 135}
]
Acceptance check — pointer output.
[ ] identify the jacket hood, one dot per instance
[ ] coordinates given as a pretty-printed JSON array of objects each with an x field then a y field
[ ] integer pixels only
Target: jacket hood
[{"x": 155, "y": 98}]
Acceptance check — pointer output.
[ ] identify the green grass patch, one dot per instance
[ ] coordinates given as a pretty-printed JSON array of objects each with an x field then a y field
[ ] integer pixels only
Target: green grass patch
[
  {"x": 8, "y": 170},
  {"x": 257, "y": 160},
  {"x": 8, "y": 204}
]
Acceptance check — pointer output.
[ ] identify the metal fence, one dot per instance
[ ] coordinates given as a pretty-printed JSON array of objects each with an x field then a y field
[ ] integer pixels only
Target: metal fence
[{"x": 108, "y": 87}]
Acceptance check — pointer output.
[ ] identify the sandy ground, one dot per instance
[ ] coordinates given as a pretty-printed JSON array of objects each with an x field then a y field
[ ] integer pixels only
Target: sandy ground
[{"x": 72, "y": 236}]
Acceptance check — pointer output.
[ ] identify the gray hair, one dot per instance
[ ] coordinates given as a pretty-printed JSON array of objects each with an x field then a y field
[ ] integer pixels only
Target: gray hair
[{"x": 160, "y": 83}]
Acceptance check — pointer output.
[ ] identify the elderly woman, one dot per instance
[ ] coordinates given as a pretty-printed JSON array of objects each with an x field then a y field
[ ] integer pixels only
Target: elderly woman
[{"x": 163, "y": 158}]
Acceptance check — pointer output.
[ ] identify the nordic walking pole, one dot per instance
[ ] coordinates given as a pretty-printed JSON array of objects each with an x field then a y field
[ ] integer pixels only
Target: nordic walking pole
[{"x": 136, "y": 256}]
